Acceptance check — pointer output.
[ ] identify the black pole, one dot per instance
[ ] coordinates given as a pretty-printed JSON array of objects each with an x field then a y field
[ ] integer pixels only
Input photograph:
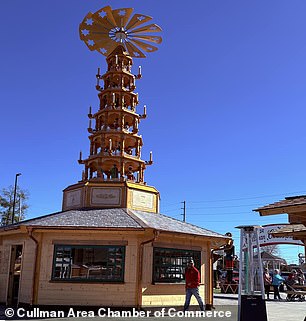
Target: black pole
[
  {"x": 14, "y": 200},
  {"x": 184, "y": 211}
]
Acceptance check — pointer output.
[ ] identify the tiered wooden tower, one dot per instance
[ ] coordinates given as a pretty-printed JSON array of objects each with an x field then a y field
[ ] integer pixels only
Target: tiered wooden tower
[{"x": 114, "y": 171}]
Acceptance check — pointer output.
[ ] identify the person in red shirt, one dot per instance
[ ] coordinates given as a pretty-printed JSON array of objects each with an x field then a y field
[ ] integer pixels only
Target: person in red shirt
[{"x": 192, "y": 278}]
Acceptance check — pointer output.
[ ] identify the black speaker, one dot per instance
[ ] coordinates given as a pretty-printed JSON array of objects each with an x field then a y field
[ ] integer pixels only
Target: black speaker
[{"x": 252, "y": 308}]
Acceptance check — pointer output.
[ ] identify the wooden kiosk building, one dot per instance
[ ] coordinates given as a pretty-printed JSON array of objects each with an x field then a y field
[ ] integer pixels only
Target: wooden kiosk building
[
  {"x": 109, "y": 246},
  {"x": 295, "y": 207}
]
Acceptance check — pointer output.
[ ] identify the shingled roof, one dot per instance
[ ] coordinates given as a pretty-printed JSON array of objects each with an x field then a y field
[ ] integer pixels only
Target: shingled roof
[
  {"x": 120, "y": 218},
  {"x": 165, "y": 223},
  {"x": 287, "y": 202},
  {"x": 265, "y": 256},
  {"x": 86, "y": 218}
]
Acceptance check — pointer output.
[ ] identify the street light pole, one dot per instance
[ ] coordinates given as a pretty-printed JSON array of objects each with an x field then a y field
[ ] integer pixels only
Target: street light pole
[{"x": 14, "y": 200}]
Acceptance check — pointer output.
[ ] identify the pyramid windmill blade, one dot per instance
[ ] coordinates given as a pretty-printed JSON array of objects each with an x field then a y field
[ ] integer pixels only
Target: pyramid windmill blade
[
  {"x": 82, "y": 29},
  {"x": 137, "y": 19},
  {"x": 134, "y": 51},
  {"x": 88, "y": 16},
  {"x": 84, "y": 32},
  {"x": 100, "y": 44},
  {"x": 101, "y": 24},
  {"x": 93, "y": 31},
  {"x": 122, "y": 16},
  {"x": 102, "y": 21},
  {"x": 155, "y": 39},
  {"x": 107, "y": 51},
  {"x": 106, "y": 15},
  {"x": 149, "y": 28},
  {"x": 105, "y": 18},
  {"x": 144, "y": 46},
  {"x": 87, "y": 21},
  {"x": 105, "y": 47},
  {"x": 105, "y": 29},
  {"x": 94, "y": 28},
  {"x": 95, "y": 36}
]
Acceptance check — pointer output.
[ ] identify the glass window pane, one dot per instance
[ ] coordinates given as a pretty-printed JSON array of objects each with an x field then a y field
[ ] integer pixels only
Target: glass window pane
[
  {"x": 89, "y": 263},
  {"x": 169, "y": 264}
]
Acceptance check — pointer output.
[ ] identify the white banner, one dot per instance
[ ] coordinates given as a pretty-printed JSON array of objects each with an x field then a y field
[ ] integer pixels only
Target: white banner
[{"x": 265, "y": 238}]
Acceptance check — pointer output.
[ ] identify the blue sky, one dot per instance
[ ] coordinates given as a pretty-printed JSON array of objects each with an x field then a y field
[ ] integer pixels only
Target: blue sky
[{"x": 225, "y": 96}]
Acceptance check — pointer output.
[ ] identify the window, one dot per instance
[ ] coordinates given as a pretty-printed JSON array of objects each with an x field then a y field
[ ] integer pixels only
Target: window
[
  {"x": 88, "y": 263},
  {"x": 169, "y": 264}
]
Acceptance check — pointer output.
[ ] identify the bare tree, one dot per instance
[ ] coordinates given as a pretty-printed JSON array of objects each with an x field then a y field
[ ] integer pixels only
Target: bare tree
[
  {"x": 271, "y": 249},
  {"x": 6, "y": 205}
]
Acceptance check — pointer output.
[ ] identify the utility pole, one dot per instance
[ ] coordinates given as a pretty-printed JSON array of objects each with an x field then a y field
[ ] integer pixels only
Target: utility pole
[{"x": 184, "y": 211}]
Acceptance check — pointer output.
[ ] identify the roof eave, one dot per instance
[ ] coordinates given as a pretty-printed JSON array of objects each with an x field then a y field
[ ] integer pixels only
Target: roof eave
[
  {"x": 22, "y": 228},
  {"x": 221, "y": 237},
  {"x": 294, "y": 208}
]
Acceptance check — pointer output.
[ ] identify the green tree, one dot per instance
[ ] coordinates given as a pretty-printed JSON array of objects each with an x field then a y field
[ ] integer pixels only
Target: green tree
[{"x": 6, "y": 205}]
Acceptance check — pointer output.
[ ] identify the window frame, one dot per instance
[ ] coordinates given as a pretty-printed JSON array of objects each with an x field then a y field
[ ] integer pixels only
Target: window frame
[
  {"x": 82, "y": 279},
  {"x": 194, "y": 254}
]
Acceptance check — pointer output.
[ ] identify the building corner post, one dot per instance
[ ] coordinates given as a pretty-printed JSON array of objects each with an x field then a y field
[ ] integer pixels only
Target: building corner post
[
  {"x": 33, "y": 299},
  {"x": 140, "y": 268}
]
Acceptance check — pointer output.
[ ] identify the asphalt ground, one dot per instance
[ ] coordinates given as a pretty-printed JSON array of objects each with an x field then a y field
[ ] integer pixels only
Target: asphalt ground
[{"x": 225, "y": 308}]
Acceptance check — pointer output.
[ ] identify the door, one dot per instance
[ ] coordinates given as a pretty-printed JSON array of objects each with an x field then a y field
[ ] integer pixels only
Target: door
[{"x": 14, "y": 274}]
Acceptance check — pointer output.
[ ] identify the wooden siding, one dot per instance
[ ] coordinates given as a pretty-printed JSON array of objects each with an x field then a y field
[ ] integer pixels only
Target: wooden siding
[
  {"x": 26, "y": 276},
  {"x": 27, "y": 272},
  {"x": 4, "y": 266},
  {"x": 100, "y": 294},
  {"x": 172, "y": 294},
  {"x": 48, "y": 292}
]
